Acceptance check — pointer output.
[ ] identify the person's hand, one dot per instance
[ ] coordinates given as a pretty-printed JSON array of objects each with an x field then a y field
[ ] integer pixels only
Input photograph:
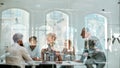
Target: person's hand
[
  {"x": 53, "y": 49},
  {"x": 59, "y": 62},
  {"x": 77, "y": 61},
  {"x": 98, "y": 50},
  {"x": 36, "y": 58},
  {"x": 85, "y": 54}
]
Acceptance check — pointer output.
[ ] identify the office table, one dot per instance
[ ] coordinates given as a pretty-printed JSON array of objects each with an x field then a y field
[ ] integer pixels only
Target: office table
[{"x": 40, "y": 64}]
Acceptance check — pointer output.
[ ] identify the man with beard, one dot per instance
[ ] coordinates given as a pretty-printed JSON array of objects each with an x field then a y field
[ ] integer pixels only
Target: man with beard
[
  {"x": 93, "y": 52},
  {"x": 18, "y": 54}
]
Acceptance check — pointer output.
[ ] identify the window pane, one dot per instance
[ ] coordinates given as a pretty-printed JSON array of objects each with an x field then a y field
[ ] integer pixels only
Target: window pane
[
  {"x": 14, "y": 20},
  {"x": 98, "y": 26}
]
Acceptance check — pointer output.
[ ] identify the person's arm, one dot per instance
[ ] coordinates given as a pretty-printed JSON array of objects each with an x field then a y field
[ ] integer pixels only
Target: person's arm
[
  {"x": 64, "y": 50},
  {"x": 37, "y": 56},
  {"x": 38, "y": 53},
  {"x": 85, "y": 52},
  {"x": 26, "y": 55},
  {"x": 42, "y": 54},
  {"x": 98, "y": 45},
  {"x": 59, "y": 57},
  {"x": 95, "y": 46},
  {"x": 73, "y": 51}
]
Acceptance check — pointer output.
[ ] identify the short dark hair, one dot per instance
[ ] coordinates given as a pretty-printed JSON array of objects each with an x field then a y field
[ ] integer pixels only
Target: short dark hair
[
  {"x": 86, "y": 29},
  {"x": 34, "y": 37}
]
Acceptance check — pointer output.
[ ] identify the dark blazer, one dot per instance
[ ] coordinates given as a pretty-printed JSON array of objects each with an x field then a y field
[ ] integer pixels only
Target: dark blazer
[{"x": 91, "y": 46}]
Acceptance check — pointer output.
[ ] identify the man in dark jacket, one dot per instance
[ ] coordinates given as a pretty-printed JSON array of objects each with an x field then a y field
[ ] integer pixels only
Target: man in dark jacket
[{"x": 93, "y": 52}]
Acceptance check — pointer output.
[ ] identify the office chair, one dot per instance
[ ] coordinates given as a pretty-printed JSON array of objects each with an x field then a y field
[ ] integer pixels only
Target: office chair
[
  {"x": 47, "y": 66},
  {"x": 8, "y": 66}
]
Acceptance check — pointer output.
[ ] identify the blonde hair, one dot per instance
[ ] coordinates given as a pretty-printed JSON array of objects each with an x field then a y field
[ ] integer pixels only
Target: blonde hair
[{"x": 53, "y": 35}]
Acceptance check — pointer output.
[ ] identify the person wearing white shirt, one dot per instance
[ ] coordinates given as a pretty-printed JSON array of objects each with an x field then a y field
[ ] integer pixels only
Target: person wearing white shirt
[{"x": 18, "y": 55}]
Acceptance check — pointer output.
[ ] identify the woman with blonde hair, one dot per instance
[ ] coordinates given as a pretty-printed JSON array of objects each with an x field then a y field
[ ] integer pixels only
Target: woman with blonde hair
[{"x": 51, "y": 48}]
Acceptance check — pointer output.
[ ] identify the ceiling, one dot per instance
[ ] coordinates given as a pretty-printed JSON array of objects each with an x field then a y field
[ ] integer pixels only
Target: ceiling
[
  {"x": 82, "y": 5},
  {"x": 111, "y": 8}
]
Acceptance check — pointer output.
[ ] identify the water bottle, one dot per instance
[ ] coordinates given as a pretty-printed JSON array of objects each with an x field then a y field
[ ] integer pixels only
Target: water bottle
[
  {"x": 51, "y": 57},
  {"x": 45, "y": 57}
]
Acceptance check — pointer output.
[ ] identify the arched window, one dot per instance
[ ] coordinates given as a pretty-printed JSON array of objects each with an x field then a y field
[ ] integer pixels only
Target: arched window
[
  {"x": 58, "y": 22},
  {"x": 98, "y": 27},
  {"x": 14, "y": 20},
  {"x": 40, "y": 33}
]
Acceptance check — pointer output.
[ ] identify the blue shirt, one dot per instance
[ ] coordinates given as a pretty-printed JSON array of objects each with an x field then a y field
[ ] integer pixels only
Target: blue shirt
[{"x": 35, "y": 52}]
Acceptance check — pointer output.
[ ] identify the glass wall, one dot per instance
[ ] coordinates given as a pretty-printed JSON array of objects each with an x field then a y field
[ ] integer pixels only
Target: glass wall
[
  {"x": 13, "y": 20},
  {"x": 97, "y": 25}
]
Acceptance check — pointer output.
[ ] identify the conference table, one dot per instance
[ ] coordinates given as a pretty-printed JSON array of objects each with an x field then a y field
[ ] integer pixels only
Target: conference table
[
  {"x": 44, "y": 64},
  {"x": 52, "y": 64}
]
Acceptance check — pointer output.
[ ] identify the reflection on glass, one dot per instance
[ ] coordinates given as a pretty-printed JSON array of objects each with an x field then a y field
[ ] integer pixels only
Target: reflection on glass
[
  {"x": 14, "y": 20},
  {"x": 59, "y": 22},
  {"x": 99, "y": 29}
]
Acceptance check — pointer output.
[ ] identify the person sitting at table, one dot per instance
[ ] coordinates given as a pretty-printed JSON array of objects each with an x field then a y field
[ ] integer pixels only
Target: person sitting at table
[
  {"x": 18, "y": 54},
  {"x": 68, "y": 50},
  {"x": 68, "y": 53},
  {"x": 93, "y": 52},
  {"x": 50, "y": 51},
  {"x": 33, "y": 48}
]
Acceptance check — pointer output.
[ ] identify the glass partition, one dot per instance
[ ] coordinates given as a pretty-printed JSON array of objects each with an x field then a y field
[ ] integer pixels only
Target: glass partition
[
  {"x": 97, "y": 25},
  {"x": 13, "y": 20}
]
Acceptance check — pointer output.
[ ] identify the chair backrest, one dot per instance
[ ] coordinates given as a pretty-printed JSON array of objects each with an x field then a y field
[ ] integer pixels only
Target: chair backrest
[
  {"x": 47, "y": 66},
  {"x": 8, "y": 66},
  {"x": 32, "y": 66}
]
